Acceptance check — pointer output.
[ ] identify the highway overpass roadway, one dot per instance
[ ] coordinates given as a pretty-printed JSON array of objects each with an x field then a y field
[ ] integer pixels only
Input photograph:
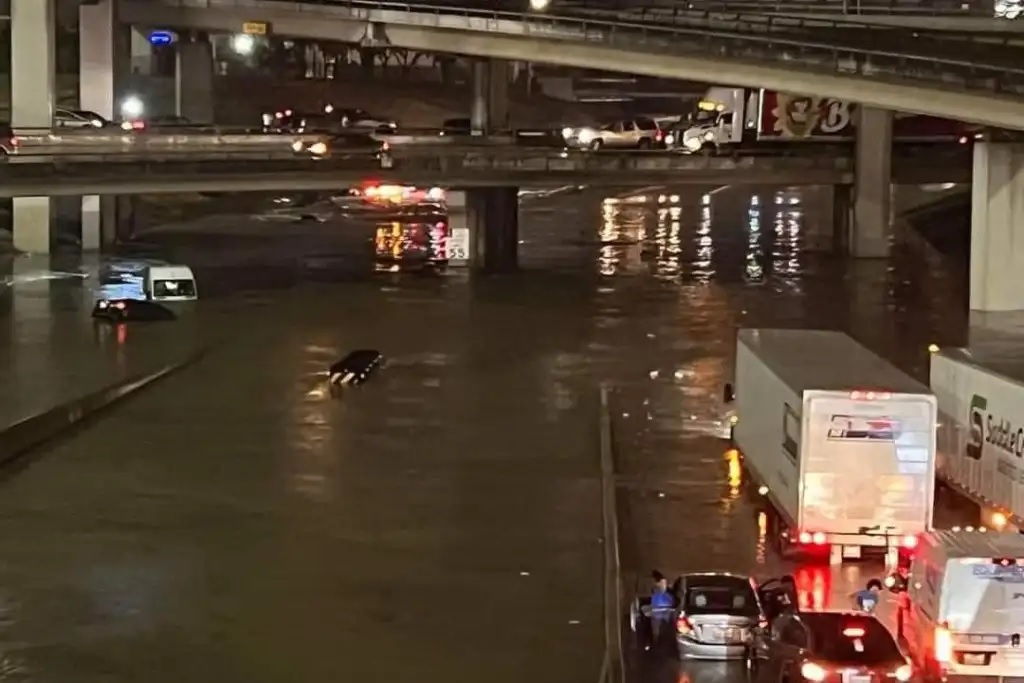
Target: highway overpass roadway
[
  {"x": 449, "y": 167},
  {"x": 953, "y": 75}
]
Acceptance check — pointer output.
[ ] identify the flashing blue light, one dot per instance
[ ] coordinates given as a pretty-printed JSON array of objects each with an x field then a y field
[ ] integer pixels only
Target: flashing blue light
[{"x": 158, "y": 38}]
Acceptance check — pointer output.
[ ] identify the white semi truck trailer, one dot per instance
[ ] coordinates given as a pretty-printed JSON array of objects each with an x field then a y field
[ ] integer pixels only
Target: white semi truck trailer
[{"x": 840, "y": 443}]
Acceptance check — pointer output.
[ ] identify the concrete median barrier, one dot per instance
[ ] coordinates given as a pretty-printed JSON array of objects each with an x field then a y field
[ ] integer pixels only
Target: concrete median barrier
[{"x": 18, "y": 439}]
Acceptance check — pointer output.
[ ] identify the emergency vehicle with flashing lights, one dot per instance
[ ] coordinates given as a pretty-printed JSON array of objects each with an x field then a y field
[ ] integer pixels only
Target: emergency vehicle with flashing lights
[
  {"x": 962, "y": 609},
  {"x": 837, "y": 442}
]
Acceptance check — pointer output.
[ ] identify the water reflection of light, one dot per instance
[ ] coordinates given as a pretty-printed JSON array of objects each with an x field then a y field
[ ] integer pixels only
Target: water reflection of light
[
  {"x": 667, "y": 243},
  {"x": 754, "y": 270},
  {"x": 813, "y": 586},
  {"x": 399, "y": 245},
  {"x": 761, "y": 551},
  {"x": 788, "y": 228},
  {"x": 732, "y": 458},
  {"x": 702, "y": 269}
]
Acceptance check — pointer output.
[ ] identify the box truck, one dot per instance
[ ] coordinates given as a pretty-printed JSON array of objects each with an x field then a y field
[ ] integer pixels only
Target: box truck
[
  {"x": 840, "y": 443},
  {"x": 961, "y": 612},
  {"x": 981, "y": 434}
]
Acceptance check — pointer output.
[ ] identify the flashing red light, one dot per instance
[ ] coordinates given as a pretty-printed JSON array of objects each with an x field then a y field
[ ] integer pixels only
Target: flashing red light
[
  {"x": 853, "y": 632},
  {"x": 910, "y": 542}
]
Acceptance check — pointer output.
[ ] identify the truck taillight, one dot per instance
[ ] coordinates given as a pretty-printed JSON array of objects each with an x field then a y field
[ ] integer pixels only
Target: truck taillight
[
  {"x": 863, "y": 395},
  {"x": 943, "y": 644},
  {"x": 809, "y": 538}
]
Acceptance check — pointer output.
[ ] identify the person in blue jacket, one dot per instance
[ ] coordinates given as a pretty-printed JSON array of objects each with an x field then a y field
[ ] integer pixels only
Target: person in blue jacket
[
  {"x": 663, "y": 605},
  {"x": 866, "y": 599}
]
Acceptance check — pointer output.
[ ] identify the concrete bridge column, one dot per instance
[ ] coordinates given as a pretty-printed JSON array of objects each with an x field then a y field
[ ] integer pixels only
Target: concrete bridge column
[
  {"x": 33, "y": 91},
  {"x": 194, "y": 80},
  {"x": 490, "y": 111},
  {"x": 997, "y": 228},
  {"x": 484, "y": 224},
  {"x": 870, "y": 230},
  {"x": 105, "y": 50}
]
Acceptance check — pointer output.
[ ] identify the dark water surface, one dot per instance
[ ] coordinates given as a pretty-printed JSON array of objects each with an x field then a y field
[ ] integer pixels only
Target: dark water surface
[{"x": 442, "y": 522}]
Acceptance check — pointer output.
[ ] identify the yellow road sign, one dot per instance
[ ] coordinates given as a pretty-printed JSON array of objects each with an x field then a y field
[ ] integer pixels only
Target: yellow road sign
[{"x": 256, "y": 28}]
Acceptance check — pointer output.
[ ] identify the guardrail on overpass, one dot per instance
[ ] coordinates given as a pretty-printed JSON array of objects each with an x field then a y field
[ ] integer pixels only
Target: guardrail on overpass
[
  {"x": 911, "y": 70},
  {"x": 449, "y": 166}
]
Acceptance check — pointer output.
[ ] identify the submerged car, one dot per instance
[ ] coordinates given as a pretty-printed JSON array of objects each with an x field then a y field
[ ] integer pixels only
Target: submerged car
[
  {"x": 355, "y": 368},
  {"x": 131, "y": 310}
]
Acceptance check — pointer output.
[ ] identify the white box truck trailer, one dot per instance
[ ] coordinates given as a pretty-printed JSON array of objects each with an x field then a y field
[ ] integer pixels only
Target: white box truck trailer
[
  {"x": 838, "y": 441},
  {"x": 981, "y": 434},
  {"x": 961, "y": 616}
]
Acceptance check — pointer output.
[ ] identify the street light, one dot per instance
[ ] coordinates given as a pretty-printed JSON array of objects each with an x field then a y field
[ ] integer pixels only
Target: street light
[
  {"x": 243, "y": 43},
  {"x": 539, "y": 5}
]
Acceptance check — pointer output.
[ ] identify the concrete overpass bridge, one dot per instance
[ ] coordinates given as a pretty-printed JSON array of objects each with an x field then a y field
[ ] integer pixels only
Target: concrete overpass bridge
[
  {"x": 951, "y": 74},
  {"x": 937, "y": 73}
]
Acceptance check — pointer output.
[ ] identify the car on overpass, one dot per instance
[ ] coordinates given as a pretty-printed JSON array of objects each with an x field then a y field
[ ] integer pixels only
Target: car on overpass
[
  {"x": 355, "y": 145},
  {"x": 78, "y": 118},
  {"x": 637, "y": 133}
]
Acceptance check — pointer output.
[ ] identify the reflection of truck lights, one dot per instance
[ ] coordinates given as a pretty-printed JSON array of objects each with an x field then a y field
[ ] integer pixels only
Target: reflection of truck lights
[{"x": 812, "y": 587}]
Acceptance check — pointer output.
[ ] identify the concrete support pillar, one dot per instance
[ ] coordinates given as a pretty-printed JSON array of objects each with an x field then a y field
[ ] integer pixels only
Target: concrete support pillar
[
  {"x": 194, "y": 80},
  {"x": 499, "y": 78},
  {"x": 484, "y": 224},
  {"x": 997, "y": 228},
  {"x": 489, "y": 110},
  {"x": 479, "y": 119},
  {"x": 32, "y": 219},
  {"x": 141, "y": 52},
  {"x": 872, "y": 212},
  {"x": 33, "y": 64},
  {"x": 103, "y": 58}
]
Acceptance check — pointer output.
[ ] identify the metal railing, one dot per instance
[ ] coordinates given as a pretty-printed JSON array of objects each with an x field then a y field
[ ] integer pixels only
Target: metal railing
[{"x": 889, "y": 54}]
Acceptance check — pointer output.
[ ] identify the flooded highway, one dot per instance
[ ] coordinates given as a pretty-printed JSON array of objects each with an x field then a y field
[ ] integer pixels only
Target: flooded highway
[{"x": 442, "y": 522}]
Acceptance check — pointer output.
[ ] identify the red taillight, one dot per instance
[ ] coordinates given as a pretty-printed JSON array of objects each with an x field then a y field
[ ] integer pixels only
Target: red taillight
[
  {"x": 439, "y": 225},
  {"x": 683, "y": 625},
  {"x": 15, "y": 141},
  {"x": 853, "y": 632},
  {"x": 659, "y": 135},
  {"x": 138, "y": 125},
  {"x": 910, "y": 542},
  {"x": 862, "y": 395},
  {"x": 809, "y": 538},
  {"x": 385, "y": 147}
]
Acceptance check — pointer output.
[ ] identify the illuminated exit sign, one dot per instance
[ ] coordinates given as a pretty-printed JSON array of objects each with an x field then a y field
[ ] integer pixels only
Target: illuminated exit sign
[{"x": 256, "y": 28}]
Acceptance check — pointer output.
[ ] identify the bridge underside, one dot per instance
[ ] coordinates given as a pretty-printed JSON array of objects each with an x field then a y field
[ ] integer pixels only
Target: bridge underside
[{"x": 538, "y": 43}]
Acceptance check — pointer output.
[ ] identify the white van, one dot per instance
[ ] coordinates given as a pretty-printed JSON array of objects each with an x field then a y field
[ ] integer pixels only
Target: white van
[
  {"x": 171, "y": 283},
  {"x": 963, "y": 611}
]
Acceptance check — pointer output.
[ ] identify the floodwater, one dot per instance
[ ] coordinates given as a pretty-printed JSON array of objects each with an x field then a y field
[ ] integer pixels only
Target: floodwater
[{"x": 442, "y": 522}]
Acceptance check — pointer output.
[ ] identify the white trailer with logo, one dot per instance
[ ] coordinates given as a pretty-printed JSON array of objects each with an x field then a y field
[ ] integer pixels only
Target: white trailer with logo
[
  {"x": 981, "y": 437},
  {"x": 837, "y": 440}
]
